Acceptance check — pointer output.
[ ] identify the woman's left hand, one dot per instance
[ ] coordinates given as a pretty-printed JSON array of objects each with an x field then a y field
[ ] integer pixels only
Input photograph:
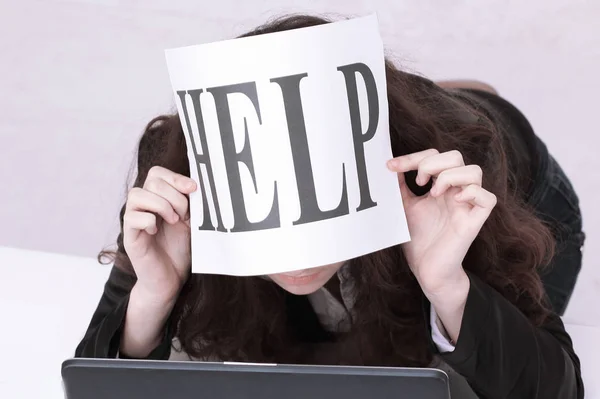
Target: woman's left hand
[{"x": 444, "y": 222}]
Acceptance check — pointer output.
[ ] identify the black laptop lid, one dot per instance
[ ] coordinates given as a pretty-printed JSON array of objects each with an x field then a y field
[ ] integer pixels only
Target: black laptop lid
[{"x": 134, "y": 379}]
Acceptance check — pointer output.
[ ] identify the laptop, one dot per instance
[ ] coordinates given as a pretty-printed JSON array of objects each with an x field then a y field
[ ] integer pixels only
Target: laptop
[{"x": 144, "y": 379}]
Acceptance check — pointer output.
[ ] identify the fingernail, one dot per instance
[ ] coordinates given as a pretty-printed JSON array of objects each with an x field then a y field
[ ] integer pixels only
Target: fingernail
[{"x": 191, "y": 184}]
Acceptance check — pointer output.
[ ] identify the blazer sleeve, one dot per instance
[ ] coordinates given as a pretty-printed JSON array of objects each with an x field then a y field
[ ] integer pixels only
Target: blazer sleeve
[
  {"x": 103, "y": 336},
  {"x": 503, "y": 355}
]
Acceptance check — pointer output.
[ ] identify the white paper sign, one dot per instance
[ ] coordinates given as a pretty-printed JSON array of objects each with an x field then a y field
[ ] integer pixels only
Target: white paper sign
[{"x": 288, "y": 138}]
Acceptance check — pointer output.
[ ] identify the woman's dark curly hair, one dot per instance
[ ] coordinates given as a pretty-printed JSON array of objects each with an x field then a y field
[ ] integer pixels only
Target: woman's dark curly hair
[{"x": 252, "y": 319}]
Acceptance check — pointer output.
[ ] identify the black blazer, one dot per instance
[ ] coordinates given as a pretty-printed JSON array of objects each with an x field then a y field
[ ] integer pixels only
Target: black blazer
[{"x": 499, "y": 352}]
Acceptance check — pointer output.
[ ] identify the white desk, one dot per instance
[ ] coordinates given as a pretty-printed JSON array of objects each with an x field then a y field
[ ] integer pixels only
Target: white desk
[{"x": 49, "y": 299}]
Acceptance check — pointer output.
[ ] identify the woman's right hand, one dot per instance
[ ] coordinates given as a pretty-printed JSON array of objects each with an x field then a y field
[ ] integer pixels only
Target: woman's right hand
[{"x": 156, "y": 233}]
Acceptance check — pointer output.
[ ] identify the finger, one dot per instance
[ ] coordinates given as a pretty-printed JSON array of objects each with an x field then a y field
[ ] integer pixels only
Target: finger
[
  {"x": 160, "y": 187},
  {"x": 409, "y": 162},
  {"x": 482, "y": 200},
  {"x": 180, "y": 182},
  {"x": 135, "y": 221},
  {"x": 146, "y": 201},
  {"x": 436, "y": 164},
  {"x": 457, "y": 177}
]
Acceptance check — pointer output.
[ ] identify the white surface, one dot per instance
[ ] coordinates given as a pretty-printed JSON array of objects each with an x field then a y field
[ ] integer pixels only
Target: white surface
[
  {"x": 46, "y": 303},
  {"x": 280, "y": 245},
  {"x": 82, "y": 77},
  {"x": 49, "y": 299}
]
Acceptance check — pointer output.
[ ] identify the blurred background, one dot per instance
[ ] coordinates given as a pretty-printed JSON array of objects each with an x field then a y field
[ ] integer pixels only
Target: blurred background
[{"x": 81, "y": 78}]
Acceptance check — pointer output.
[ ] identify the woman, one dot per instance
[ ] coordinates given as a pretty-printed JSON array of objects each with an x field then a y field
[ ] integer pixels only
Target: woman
[{"x": 464, "y": 295}]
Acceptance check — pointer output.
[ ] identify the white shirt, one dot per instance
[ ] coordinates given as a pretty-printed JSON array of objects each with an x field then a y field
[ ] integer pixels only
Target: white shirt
[{"x": 335, "y": 315}]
